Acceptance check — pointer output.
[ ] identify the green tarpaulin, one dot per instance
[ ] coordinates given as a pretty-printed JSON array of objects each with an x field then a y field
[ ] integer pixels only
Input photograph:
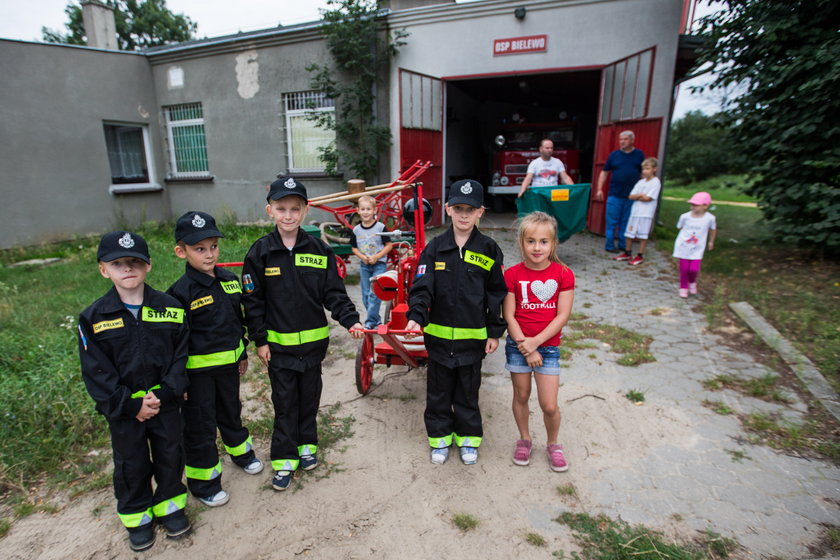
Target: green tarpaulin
[{"x": 567, "y": 203}]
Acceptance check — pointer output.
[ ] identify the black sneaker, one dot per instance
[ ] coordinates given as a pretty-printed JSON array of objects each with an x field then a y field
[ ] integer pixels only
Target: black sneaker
[
  {"x": 141, "y": 538},
  {"x": 308, "y": 462},
  {"x": 281, "y": 480},
  {"x": 177, "y": 526}
]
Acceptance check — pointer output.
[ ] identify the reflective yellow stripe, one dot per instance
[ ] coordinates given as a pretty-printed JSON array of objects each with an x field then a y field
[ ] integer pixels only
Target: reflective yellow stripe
[
  {"x": 216, "y": 359},
  {"x": 440, "y": 442},
  {"x": 307, "y": 259},
  {"x": 478, "y": 259},
  {"x": 455, "y": 333},
  {"x": 170, "y": 506},
  {"x": 141, "y": 394},
  {"x": 203, "y": 474},
  {"x": 296, "y": 338},
  {"x": 467, "y": 441},
  {"x": 307, "y": 449},
  {"x": 241, "y": 449},
  {"x": 131, "y": 520},
  {"x": 285, "y": 464},
  {"x": 232, "y": 287},
  {"x": 169, "y": 315}
]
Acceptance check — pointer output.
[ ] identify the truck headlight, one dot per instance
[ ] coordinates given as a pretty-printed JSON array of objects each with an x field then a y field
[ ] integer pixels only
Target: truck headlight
[
  {"x": 499, "y": 140},
  {"x": 505, "y": 181}
]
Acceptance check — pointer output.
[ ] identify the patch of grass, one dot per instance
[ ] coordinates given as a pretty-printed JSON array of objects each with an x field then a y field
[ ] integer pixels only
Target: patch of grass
[
  {"x": 635, "y": 396},
  {"x": 718, "y": 407},
  {"x": 602, "y": 538},
  {"x": 408, "y": 397},
  {"x": 763, "y": 388},
  {"x": 737, "y": 455},
  {"x": 808, "y": 439},
  {"x": 333, "y": 428},
  {"x": 5, "y": 525},
  {"x": 657, "y": 311},
  {"x": 534, "y": 539},
  {"x": 464, "y": 521},
  {"x": 633, "y": 346},
  {"x": 567, "y": 489},
  {"x": 716, "y": 545},
  {"x": 728, "y": 188}
]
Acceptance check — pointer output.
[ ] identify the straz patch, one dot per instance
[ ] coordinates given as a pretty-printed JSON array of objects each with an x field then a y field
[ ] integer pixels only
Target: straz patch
[
  {"x": 232, "y": 287},
  {"x": 272, "y": 271},
  {"x": 168, "y": 315},
  {"x": 478, "y": 259},
  {"x": 440, "y": 266},
  {"x": 201, "y": 302},
  {"x": 107, "y": 325},
  {"x": 314, "y": 261}
]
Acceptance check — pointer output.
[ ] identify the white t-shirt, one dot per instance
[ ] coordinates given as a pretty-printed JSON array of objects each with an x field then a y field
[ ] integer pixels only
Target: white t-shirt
[
  {"x": 546, "y": 173},
  {"x": 691, "y": 241},
  {"x": 650, "y": 188}
]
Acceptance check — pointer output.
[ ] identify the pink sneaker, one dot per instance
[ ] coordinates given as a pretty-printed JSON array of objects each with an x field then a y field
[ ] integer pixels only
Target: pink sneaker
[
  {"x": 522, "y": 452},
  {"x": 683, "y": 293},
  {"x": 692, "y": 288},
  {"x": 556, "y": 458}
]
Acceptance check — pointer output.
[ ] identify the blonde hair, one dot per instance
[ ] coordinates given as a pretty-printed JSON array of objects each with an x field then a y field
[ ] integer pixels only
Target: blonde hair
[
  {"x": 533, "y": 220},
  {"x": 652, "y": 161},
  {"x": 366, "y": 198}
]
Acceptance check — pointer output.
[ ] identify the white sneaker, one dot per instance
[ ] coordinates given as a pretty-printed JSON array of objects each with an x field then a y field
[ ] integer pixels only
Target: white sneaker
[
  {"x": 220, "y": 498},
  {"x": 439, "y": 455},
  {"x": 254, "y": 467},
  {"x": 469, "y": 455}
]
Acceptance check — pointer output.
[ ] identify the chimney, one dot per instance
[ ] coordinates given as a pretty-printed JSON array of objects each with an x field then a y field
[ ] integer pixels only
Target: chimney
[{"x": 100, "y": 27}]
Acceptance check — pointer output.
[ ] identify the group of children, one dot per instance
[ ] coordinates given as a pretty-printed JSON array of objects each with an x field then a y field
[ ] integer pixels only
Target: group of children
[
  {"x": 697, "y": 227},
  {"x": 153, "y": 361}
]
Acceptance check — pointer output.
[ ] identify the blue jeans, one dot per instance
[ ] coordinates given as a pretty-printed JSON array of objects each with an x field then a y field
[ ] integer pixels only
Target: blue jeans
[
  {"x": 369, "y": 299},
  {"x": 618, "y": 213}
]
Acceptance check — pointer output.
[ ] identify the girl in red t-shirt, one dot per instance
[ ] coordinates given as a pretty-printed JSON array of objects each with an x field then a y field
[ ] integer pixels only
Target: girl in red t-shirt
[{"x": 537, "y": 306}]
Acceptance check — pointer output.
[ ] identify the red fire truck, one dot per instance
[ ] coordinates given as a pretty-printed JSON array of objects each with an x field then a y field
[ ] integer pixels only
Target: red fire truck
[{"x": 517, "y": 145}]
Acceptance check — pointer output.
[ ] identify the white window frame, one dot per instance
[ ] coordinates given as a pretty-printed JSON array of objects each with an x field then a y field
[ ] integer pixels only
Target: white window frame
[
  {"x": 151, "y": 185},
  {"x": 174, "y": 172},
  {"x": 299, "y": 104}
]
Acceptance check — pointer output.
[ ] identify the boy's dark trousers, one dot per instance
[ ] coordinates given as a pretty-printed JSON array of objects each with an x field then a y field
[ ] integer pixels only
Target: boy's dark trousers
[
  {"x": 213, "y": 402},
  {"x": 452, "y": 400},
  {"x": 296, "y": 396},
  {"x": 132, "y": 442}
]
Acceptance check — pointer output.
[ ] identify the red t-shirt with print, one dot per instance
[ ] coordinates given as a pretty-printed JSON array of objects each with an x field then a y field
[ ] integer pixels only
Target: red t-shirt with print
[{"x": 536, "y": 293}]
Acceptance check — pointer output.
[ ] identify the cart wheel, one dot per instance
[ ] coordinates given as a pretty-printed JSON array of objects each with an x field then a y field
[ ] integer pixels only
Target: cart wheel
[
  {"x": 342, "y": 267},
  {"x": 364, "y": 365}
]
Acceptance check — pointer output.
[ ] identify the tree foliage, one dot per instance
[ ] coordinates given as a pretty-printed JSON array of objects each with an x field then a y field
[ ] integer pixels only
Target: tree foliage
[
  {"x": 699, "y": 148},
  {"x": 361, "y": 50},
  {"x": 785, "y": 54},
  {"x": 140, "y": 25}
]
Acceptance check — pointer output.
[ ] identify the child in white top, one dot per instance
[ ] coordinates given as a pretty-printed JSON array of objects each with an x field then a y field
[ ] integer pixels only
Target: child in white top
[
  {"x": 695, "y": 227},
  {"x": 644, "y": 195},
  {"x": 537, "y": 306},
  {"x": 372, "y": 249}
]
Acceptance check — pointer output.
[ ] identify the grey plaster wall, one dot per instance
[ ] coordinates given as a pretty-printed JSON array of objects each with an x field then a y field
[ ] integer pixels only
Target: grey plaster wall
[{"x": 54, "y": 171}]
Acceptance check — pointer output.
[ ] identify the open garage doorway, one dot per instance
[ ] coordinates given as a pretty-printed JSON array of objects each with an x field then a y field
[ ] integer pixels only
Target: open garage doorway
[{"x": 521, "y": 109}]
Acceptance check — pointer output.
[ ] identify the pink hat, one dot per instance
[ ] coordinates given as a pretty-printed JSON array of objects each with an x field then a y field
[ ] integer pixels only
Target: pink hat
[{"x": 700, "y": 198}]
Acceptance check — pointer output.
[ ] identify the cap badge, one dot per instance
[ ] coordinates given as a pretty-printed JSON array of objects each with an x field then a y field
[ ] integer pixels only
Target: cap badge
[
  {"x": 198, "y": 221},
  {"x": 126, "y": 242},
  {"x": 466, "y": 188},
  {"x": 290, "y": 184}
]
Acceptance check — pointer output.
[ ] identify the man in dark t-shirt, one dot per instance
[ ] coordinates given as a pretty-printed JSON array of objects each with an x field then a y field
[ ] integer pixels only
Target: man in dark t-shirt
[{"x": 626, "y": 167}]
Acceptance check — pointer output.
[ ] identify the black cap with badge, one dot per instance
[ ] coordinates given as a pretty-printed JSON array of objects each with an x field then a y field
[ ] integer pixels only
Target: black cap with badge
[
  {"x": 285, "y": 186},
  {"x": 195, "y": 226},
  {"x": 466, "y": 191},
  {"x": 119, "y": 244}
]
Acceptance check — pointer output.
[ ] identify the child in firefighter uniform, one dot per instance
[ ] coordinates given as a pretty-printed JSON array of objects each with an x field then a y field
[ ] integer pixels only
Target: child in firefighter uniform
[
  {"x": 289, "y": 277},
  {"x": 133, "y": 349},
  {"x": 211, "y": 298},
  {"x": 457, "y": 297}
]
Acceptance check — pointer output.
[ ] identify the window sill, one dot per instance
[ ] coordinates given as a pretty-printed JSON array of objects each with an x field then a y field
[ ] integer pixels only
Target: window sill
[
  {"x": 134, "y": 188},
  {"x": 201, "y": 179}
]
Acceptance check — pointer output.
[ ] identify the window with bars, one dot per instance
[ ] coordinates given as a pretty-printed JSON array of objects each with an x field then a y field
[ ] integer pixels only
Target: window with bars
[
  {"x": 303, "y": 137},
  {"x": 625, "y": 88},
  {"x": 187, "y": 142}
]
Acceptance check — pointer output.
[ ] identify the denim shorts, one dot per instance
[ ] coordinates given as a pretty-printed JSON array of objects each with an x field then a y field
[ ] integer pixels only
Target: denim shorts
[{"x": 516, "y": 362}]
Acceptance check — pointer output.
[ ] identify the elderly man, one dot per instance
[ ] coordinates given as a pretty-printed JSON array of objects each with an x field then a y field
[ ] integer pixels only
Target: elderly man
[{"x": 625, "y": 164}]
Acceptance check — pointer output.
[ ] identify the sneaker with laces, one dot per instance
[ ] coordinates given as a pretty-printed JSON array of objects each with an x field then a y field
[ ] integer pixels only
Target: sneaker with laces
[
  {"x": 220, "y": 498},
  {"x": 308, "y": 462},
  {"x": 469, "y": 455},
  {"x": 141, "y": 538},
  {"x": 556, "y": 458},
  {"x": 683, "y": 293},
  {"x": 440, "y": 455},
  {"x": 176, "y": 526},
  {"x": 281, "y": 480},
  {"x": 522, "y": 452},
  {"x": 638, "y": 259},
  {"x": 624, "y": 256},
  {"x": 254, "y": 467},
  {"x": 692, "y": 288}
]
